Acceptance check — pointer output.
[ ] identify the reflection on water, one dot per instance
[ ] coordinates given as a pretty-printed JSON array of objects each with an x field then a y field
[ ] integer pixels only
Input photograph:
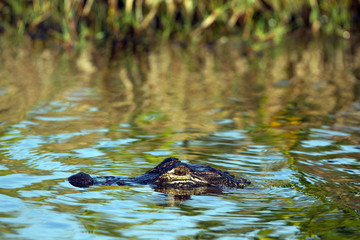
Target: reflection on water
[{"x": 287, "y": 119}]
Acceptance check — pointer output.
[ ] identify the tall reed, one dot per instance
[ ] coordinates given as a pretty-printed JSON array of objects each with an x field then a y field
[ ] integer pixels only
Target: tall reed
[{"x": 73, "y": 20}]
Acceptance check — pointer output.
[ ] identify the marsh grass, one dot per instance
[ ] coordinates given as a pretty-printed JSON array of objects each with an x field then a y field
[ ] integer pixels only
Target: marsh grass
[{"x": 71, "y": 21}]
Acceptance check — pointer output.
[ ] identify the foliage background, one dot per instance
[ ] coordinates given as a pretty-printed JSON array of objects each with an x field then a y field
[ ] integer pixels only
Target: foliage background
[{"x": 138, "y": 21}]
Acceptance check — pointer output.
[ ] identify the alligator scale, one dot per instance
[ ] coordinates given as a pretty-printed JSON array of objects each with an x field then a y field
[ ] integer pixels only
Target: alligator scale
[{"x": 171, "y": 175}]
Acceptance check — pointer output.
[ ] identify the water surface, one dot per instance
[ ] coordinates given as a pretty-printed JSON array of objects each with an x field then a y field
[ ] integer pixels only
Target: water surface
[{"x": 286, "y": 118}]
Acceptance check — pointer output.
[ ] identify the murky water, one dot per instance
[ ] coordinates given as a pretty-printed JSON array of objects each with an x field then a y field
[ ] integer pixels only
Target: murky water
[{"x": 287, "y": 119}]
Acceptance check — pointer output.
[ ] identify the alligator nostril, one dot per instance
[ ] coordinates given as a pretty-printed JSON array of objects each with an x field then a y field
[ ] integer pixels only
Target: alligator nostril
[{"x": 180, "y": 172}]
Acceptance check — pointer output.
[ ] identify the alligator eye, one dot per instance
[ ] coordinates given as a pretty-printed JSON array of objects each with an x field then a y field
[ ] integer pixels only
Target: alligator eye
[{"x": 180, "y": 172}]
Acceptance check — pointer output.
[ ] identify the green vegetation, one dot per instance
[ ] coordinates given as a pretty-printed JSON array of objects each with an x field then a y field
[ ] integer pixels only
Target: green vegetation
[{"x": 136, "y": 21}]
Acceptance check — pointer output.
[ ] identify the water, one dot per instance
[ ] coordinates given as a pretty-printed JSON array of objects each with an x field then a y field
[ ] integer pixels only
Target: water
[{"x": 287, "y": 119}]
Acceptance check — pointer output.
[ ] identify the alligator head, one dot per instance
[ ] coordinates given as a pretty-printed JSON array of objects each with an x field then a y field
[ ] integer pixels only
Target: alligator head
[
  {"x": 172, "y": 173},
  {"x": 171, "y": 176}
]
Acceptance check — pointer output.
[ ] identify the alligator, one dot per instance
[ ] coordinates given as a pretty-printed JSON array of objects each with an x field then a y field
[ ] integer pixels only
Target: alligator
[{"x": 171, "y": 176}]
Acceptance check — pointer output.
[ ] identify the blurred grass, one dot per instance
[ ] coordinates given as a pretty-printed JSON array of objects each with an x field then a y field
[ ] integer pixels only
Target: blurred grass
[{"x": 136, "y": 21}]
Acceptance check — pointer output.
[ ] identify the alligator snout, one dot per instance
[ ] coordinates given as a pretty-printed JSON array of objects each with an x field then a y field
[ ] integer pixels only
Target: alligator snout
[{"x": 81, "y": 179}]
